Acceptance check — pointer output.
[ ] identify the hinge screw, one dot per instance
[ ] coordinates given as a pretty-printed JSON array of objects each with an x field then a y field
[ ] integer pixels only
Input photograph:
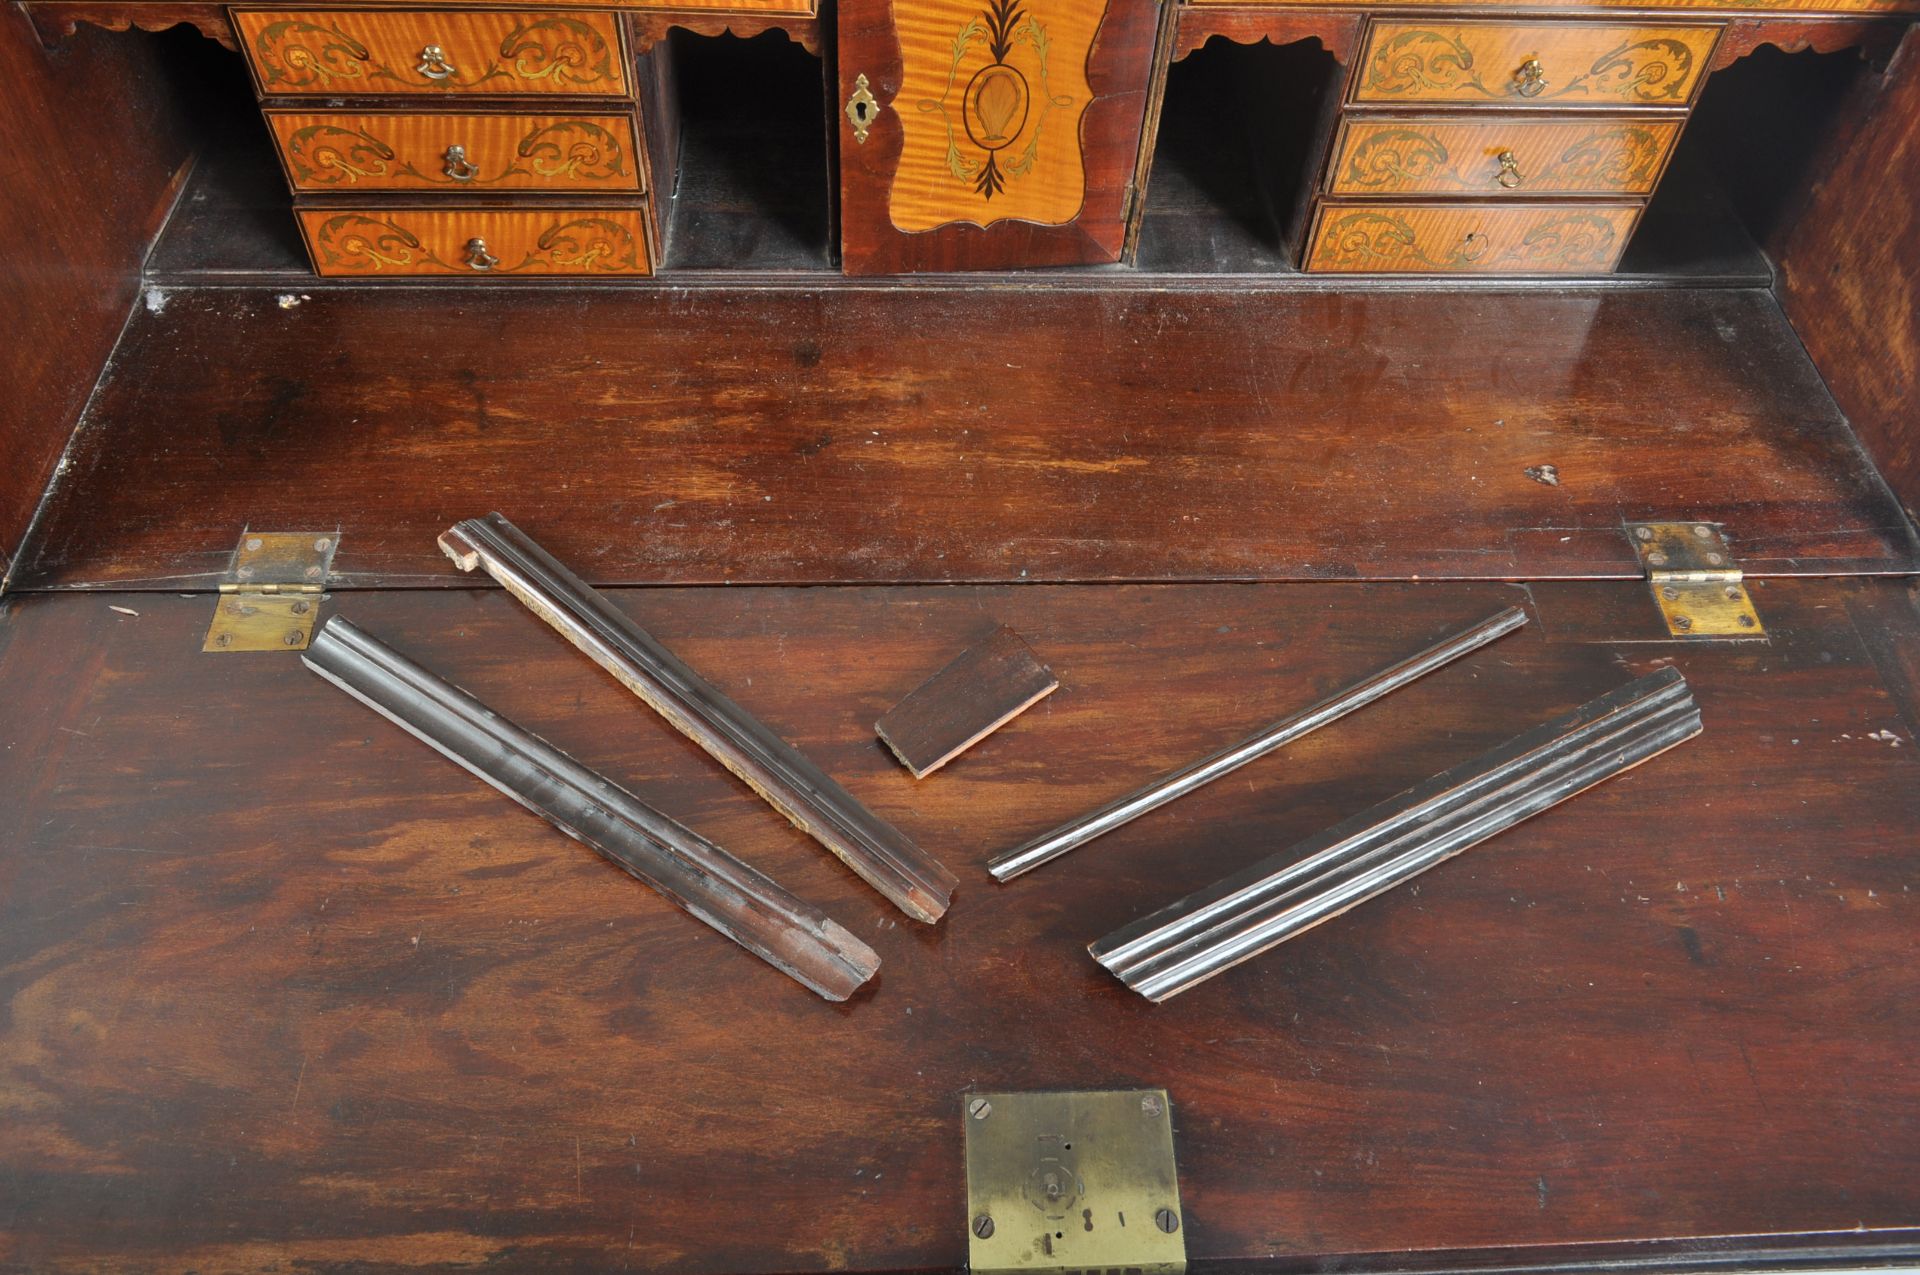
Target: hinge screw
[
  {"x": 1701, "y": 530},
  {"x": 980, "y": 1109},
  {"x": 225, "y": 639},
  {"x": 1670, "y": 593},
  {"x": 983, "y": 1227},
  {"x": 1733, "y": 591},
  {"x": 1150, "y": 1105},
  {"x": 1657, "y": 558},
  {"x": 1746, "y": 621},
  {"x": 1682, "y": 622},
  {"x": 313, "y": 573},
  {"x": 1645, "y": 533},
  {"x": 1167, "y": 1220},
  {"x": 322, "y": 546},
  {"x": 301, "y": 607},
  {"x": 253, "y": 545},
  {"x": 292, "y": 638}
]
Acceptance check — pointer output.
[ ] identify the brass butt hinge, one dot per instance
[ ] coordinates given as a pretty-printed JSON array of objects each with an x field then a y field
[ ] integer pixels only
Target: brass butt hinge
[
  {"x": 1697, "y": 585},
  {"x": 272, "y": 591},
  {"x": 1072, "y": 1182}
]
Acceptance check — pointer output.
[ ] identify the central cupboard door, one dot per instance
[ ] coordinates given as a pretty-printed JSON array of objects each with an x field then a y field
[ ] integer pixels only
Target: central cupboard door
[{"x": 989, "y": 134}]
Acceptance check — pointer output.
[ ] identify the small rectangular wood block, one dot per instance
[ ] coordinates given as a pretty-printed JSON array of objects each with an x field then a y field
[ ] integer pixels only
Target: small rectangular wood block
[
  {"x": 456, "y": 152},
  {"x": 476, "y": 243},
  {"x": 988, "y": 686},
  {"x": 355, "y": 53}
]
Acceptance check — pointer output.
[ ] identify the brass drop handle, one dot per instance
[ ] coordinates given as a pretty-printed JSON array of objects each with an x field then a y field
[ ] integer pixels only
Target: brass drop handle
[
  {"x": 862, "y": 109},
  {"x": 434, "y": 64},
  {"x": 1473, "y": 247},
  {"x": 1530, "y": 79},
  {"x": 477, "y": 255},
  {"x": 1509, "y": 176},
  {"x": 458, "y": 167}
]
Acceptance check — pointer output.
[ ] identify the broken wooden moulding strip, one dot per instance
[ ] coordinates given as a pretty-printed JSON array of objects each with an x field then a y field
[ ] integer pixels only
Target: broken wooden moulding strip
[
  {"x": 886, "y": 858},
  {"x": 1276, "y": 899},
  {"x": 694, "y": 873},
  {"x": 1078, "y": 831}
]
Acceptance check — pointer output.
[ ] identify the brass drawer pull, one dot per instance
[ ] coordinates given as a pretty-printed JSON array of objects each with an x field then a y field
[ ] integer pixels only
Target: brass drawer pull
[
  {"x": 1473, "y": 247},
  {"x": 434, "y": 64},
  {"x": 1509, "y": 176},
  {"x": 477, "y": 255},
  {"x": 1530, "y": 79},
  {"x": 458, "y": 167},
  {"x": 862, "y": 108}
]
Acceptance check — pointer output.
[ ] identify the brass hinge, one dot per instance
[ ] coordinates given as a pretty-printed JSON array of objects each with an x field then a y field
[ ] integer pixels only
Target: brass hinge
[
  {"x": 1699, "y": 588},
  {"x": 272, "y": 591},
  {"x": 1075, "y": 1181}
]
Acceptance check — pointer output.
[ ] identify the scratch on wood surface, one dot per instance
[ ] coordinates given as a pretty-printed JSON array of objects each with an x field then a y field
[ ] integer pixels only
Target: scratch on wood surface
[{"x": 298, "y": 1081}]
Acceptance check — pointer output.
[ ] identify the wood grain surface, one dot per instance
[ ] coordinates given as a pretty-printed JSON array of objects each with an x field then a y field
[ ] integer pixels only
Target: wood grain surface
[
  {"x": 285, "y": 991},
  {"x": 834, "y": 435},
  {"x": 986, "y": 686},
  {"x": 77, "y": 221}
]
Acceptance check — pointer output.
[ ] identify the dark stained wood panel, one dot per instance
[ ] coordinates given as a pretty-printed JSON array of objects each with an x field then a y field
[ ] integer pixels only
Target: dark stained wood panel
[
  {"x": 76, "y": 218},
  {"x": 944, "y": 435},
  {"x": 987, "y": 685},
  {"x": 1850, "y": 264},
  {"x": 285, "y": 988}
]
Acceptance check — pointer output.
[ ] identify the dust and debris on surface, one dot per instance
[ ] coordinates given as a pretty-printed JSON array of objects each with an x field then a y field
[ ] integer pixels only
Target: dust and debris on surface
[
  {"x": 1545, "y": 475},
  {"x": 288, "y": 300},
  {"x": 1885, "y": 737},
  {"x": 156, "y": 299},
  {"x": 122, "y": 610}
]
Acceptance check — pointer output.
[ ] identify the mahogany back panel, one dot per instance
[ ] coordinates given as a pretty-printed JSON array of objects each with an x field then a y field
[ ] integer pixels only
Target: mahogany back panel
[{"x": 283, "y": 986}]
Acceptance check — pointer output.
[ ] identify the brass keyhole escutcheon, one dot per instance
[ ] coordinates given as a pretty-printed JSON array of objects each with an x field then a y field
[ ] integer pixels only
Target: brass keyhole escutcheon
[
  {"x": 477, "y": 255},
  {"x": 434, "y": 64},
  {"x": 458, "y": 167},
  {"x": 1530, "y": 79},
  {"x": 1509, "y": 175},
  {"x": 862, "y": 109}
]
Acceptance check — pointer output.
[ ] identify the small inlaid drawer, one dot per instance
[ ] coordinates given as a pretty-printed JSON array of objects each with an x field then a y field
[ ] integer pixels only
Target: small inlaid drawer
[
  {"x": 1482, "y": 238},
  {"x": 1561, "y": 64},
  {"x": 1506, "y": 155},
  {"x": 428, "y": 150},
  {"x": 345, "y": 53},
  {"x": 476, "y": 242}
]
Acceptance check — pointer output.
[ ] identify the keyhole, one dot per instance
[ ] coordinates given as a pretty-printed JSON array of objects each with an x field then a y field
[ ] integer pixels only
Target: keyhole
[{"x": 860, "y": 109}]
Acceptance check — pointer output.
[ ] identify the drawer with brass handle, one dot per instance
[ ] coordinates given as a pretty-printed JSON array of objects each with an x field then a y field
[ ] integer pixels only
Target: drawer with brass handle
[
  {"x": 1483, "y": 238},
  {"x": 357, "y": 53},
  {"x": 1503, "y": 155},
  {"x": 1559, "y": 64},
  {"x": 430, "y": 150},
  {"x": 476, "y": 243}
]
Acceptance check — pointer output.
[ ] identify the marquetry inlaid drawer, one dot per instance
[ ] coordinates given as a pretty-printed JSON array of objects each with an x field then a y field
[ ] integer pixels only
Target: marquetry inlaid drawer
[
  {"x": 476, "y": 242},
  {"x": 1503, "y": 155},
  {"x": 1559, "y": 64},
  {"x": 456, "y": 151},
  {"x": 343, "y": 53},
  {"x": 1482, "y": 238}
]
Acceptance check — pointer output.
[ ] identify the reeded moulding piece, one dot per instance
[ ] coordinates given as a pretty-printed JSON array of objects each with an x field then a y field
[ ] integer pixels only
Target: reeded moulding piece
[
  {"x": 694, "y": 873},
  {"x": 1278, "y": 898},
  {"x": 885, "y": 857}
]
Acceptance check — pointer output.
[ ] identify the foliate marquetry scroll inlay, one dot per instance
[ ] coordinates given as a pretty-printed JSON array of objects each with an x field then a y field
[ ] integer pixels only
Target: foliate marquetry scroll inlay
[
  {"x": 1465, "y": 157},
  {"x": 990, "y": 103},
  {"x": 427, "y": 243},
  {"x": 296, "y": 54},
  {"x": 1464, "y": 239},
  {"x": 1526, "y": 64},
  {"x": 439, "y": 52},
  {"x": 422, "y": 151}
]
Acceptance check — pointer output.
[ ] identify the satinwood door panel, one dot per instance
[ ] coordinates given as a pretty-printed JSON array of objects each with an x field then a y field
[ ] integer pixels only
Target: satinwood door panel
[{"x": 989, "y": 134}]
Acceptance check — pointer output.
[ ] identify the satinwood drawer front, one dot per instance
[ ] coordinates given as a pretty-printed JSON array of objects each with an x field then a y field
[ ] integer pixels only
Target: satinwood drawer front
[
  {"x": 1559, "y": 64},
  {"x": 476, "y": 242},
  {"x": 1469, "y": 238},
  {"x": 1505, "y": 155},
  {"x": 430, "y": 150},
  {"x": 342, "y": 53}
]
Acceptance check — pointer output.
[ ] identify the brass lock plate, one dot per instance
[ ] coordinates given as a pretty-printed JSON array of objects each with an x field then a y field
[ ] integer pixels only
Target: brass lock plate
[
  {"x": 1072, "y": 1181},
  {"x": 272, "y": 592},
  {"x": 1698, "y": 587}
]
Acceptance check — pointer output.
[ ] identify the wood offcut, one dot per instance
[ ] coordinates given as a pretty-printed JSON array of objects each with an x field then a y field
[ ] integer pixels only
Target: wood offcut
[{"x": 983, "y": 689}]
